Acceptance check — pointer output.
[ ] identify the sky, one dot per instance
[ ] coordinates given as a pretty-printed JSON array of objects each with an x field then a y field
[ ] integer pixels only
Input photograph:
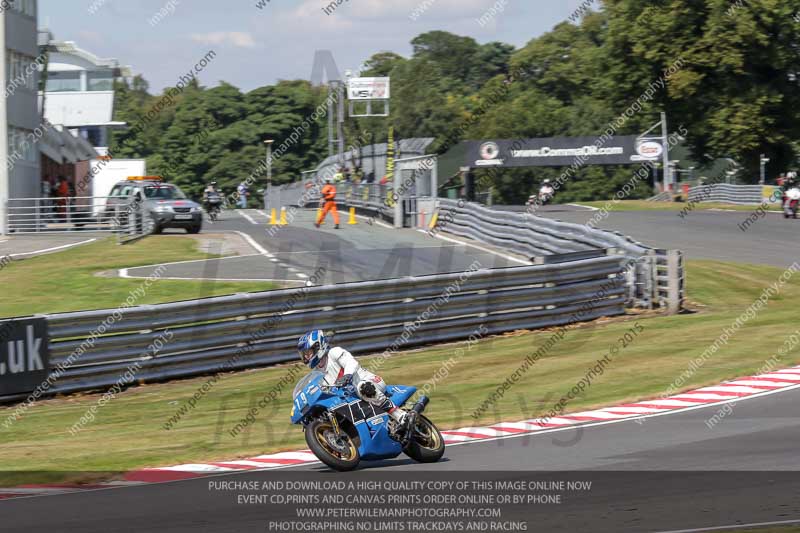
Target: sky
[{"x": 256, "y": 46}]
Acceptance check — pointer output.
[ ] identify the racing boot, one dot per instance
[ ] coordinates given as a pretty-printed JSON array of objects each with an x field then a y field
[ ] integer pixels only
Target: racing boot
[{"x": 406, "y": 420}]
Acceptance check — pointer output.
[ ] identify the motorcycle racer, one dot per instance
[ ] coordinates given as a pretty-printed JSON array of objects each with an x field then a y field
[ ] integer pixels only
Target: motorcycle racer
[
  {"x": 789, "y": 182},
  {"x": 342, "y": 369},
  {"x": 546, "y": 192}
]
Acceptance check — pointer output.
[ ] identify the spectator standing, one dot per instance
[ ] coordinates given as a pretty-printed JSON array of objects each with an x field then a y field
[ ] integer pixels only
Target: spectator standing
[
  {"x": 242, "y": 190},
  {"x": 62, "y": 193},
  {"x": 47, "y": 193}
]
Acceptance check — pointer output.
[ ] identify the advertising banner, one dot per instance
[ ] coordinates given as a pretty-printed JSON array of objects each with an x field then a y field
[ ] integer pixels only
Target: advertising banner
[{"x": 561, "y": 151}]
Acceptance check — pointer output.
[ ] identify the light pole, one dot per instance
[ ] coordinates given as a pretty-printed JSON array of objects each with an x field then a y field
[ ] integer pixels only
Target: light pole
[
  {"x": 674, "y": 172},
  {"x": 268, "y": 142},
  {"x": 763, "y": 160}
]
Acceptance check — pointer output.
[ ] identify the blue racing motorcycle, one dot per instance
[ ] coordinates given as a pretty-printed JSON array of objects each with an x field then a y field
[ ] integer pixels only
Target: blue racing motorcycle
[{"x": 341, "y": 429}]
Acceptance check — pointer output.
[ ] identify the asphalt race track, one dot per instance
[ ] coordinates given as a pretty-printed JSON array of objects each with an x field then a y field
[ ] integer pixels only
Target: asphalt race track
[
  {"x": 352, "y": 253},
  {"x": 662, "y": 473},
  {"x": 770, "y": 240}
]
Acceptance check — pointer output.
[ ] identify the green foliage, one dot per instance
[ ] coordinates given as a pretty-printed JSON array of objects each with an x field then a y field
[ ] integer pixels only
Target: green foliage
[
  {"x": 733, "y": 87},
  {"x": 217, "y": 134}
]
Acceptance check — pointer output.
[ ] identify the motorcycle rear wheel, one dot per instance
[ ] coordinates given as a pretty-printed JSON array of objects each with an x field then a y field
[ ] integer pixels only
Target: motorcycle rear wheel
[
  {"x": 339, "y": 453},
  {"x": 427, "y": 443}
]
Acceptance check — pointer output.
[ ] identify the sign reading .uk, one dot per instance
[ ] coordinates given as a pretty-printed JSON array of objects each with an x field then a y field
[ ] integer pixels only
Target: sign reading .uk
[{"x": 24, "y": 355}]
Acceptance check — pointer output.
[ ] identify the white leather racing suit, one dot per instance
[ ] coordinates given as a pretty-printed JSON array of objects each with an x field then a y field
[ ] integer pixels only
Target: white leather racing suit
[{"x": 338, "y": 363}]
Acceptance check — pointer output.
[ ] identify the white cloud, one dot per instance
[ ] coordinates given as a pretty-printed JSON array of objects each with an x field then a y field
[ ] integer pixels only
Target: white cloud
[{"x": 239, "y": 39}]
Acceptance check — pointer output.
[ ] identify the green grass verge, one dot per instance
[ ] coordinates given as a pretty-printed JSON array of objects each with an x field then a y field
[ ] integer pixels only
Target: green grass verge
[
  {"x": 69, "y": 280},
  {"x": 642, "y": 205},
  {"x": 129, "y": 433}
]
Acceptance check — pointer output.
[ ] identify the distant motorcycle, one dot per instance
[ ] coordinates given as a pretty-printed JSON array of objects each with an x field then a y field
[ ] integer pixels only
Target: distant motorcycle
[
  {"x": 213, "y": 206},
  {"x": 341, "y": 429},
  {"x": 544, "y": 197},
  {"x": 791, "y": 202}
]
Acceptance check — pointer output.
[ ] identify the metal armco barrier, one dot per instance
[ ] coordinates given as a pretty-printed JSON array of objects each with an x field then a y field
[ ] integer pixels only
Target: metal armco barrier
[
  {"x": 258, "y": 329},
  {"x": 533, "y": 236},
  {"x": 731, "y": 194},
  {"x": 526, "y": 234}
]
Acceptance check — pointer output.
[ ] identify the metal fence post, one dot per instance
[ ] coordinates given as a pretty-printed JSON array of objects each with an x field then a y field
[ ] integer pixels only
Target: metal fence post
[
  {"x": 675, "y": 281},
  {"x": 131, "y": 221},
  {"x": 116, "y": 225}
]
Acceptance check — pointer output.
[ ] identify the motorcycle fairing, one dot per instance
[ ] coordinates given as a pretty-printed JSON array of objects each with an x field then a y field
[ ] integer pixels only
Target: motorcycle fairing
[{"x": 371, "y": 422}]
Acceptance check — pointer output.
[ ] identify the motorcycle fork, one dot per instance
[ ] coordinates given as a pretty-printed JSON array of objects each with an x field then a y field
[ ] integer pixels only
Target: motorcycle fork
[{"x": 335, "y": 424}]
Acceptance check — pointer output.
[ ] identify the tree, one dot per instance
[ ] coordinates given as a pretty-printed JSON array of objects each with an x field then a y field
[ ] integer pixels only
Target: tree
[{"x": 381, "y": 64}]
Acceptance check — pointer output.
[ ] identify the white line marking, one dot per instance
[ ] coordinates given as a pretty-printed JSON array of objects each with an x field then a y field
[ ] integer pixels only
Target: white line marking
[
  {"x": 668, "y": 402},
  {"x": 729, "y": 388},
  {"x": 248, "y": 217},
  {"x": 504, "y": 256},
  {"x": 123, "y": 272},
  {"x": 735, "y": 526},
  {"x": 288, "y": 455},
  {"x": 262, "y": 213},
  {"x": 175, "y": 278},
  {"x": 600, "y": 414},
  {"x": 635, "y": 410},
  {"x": 761, "y": 383},
  {"x": 44, "y": 251},
  {"x": 376, "y": 222},
  {"x": 252, "y": 242},
  {"x": 585, "y": 207}
]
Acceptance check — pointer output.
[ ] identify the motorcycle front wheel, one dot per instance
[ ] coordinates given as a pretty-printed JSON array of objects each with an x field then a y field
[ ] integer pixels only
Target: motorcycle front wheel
[
  {"x": 338, "y": 452},
  {"x": 427, "y": 443}
]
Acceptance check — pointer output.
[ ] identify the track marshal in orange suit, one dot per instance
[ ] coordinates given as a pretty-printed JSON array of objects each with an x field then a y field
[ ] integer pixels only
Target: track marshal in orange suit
[{"x": 328, "y": 202}]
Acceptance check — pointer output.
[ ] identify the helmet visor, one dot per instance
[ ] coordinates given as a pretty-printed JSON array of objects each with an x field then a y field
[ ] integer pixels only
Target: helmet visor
[{"x": 307, "y": 354}]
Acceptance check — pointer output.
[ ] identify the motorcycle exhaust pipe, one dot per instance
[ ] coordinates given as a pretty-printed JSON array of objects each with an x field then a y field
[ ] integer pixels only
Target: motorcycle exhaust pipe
[{"x": 421, "y": 404}]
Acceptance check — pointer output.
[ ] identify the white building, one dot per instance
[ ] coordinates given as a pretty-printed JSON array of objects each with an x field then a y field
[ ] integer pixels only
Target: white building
[
  {"x": 19, "y": 117},
  {"x": 79, "y": 92}
]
